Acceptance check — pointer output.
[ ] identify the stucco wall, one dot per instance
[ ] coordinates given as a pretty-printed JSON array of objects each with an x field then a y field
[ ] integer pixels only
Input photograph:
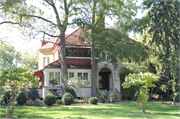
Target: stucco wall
[
  {"x": 42, "y": 54},
  {"x": 120, "y": 64}
]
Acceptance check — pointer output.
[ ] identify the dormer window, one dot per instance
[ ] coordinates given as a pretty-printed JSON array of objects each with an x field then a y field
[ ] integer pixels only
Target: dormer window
[{"x": 46, "y": 61}]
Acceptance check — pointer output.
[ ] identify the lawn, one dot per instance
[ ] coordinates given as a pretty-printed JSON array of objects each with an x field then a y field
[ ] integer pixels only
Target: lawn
[{"x": 122, "y": 110}]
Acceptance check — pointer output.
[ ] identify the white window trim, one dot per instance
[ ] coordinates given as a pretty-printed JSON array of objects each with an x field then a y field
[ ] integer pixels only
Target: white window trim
[
  {"x": 76, "y": 71},
  {"x": 47, "y": 70}
]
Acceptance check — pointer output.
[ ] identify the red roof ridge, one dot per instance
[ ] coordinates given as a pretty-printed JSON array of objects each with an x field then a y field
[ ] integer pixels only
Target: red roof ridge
[{"x": 74, "y": 32}]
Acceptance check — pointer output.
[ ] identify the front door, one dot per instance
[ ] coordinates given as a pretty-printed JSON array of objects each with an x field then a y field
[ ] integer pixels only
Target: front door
[{"x": 104, "y": 80}]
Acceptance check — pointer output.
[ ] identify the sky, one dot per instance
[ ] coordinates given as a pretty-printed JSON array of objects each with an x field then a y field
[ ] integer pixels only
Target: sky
[{"x": 13, "y": 37}]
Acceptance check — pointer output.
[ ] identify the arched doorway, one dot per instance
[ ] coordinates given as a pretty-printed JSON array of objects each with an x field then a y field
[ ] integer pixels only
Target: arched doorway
[{"x": 105, "y": 79}]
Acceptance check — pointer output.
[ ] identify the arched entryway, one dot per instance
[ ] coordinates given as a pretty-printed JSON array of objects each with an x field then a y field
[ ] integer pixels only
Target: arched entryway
[{"x": 105, "y": 79}]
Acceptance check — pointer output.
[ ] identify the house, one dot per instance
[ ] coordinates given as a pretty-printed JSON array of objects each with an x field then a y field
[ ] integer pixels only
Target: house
[{"x": 78, "y": 57}]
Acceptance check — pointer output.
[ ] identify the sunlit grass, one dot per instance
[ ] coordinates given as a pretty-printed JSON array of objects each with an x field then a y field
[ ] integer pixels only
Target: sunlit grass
[{"x": 122, "y": 110}]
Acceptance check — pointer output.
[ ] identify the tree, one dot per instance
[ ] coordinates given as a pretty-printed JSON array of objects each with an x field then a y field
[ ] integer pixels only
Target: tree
[
  {"x": 24, "y": 13},
  {"x": 163, "y": 29},
  {"x": 86, "y": 13},
  {"x": 8, "y": 55},
  {"x": 77, "y": 83},
  {"x": 15, "y": 78},
  {"x": 30, "y": 60},
  {"x": 142, "y": 81},
  {"x": 103, "y": 38}
]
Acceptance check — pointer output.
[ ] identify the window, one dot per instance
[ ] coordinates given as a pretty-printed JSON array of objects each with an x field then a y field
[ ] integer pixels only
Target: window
[
  {"x": 78, "y": 53},
  {"x": 46, "y": 61},
  {"x": 56, "y": 56},
  {"x": 56, "y": 76},
  {"x": 83, "y": 75},
  {"x": 80, "y": 75},
  {"x": 51, "y": 75},
  {"x": 71, "y": 74}
]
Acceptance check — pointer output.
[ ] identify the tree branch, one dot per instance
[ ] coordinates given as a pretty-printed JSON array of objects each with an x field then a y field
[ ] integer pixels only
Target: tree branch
[
  {"x": 38, "y": 17},
  {"x": 9, "y": 22},
  {"x": 57, "y": 15},
  {"x": 48, "y": 34}
]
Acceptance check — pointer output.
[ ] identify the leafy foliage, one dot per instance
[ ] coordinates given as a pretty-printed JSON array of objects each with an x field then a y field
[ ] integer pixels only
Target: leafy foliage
[
  {"x": 8, "y": 55},
  {"x": 162, "y": 35},
  {"x": 77, "y": 83},
  {"x": 33, "y": 93},
  {"x": 93, "y": 100},
  {"x": 59, "y": 101},
  {"x": 50, "y": 99},
  {"x": 14, "y": 79},
  {"x": 143, "y": 81},
  {"x": 103, "y": 95},
  {"x": 71, "y": 91},
  {"x": 55, "y": 91},
  {"x": 22, "y": 98},
  {"x": 67, "y": 99},
  {"x": 7, "y": 97},
  {"x": 176, "y": 98}
]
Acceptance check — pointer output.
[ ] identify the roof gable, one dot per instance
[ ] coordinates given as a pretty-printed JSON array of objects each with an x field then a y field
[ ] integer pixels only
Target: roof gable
[{"x": 71, "y": 40}]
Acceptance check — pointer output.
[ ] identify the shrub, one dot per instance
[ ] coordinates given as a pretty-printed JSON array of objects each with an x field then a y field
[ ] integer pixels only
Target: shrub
[
  {"x": 177, "y": 98},
  {"x": 54, "y": 90},
  {"x": 1, "y": 99},
  {"x": 93, "y": 100},
  {"x": 40, "y": 98},
  {"x": 50, "y": 99},
  {"x": 22, "y": 98},
  {"x": 33, "y": 93},
  {"x": 59, "y": 102},
  {"x": 7, "y": 97},
  {"x": 103, "y": 95},
  {"x": 75, "y": 101},
  {"x": 67, "y": 99},
  {"x": 71, "y": 91},
  {"x": 85, "y": 100}
]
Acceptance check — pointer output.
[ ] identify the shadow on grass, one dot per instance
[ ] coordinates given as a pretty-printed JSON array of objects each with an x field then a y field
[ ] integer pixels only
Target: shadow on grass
[{"x": 117, "y": 110}]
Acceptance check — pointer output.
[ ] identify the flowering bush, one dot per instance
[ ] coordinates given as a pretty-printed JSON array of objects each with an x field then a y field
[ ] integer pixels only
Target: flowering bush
[
  {"x": 113, "y": 97},
  {"x": 103, "y": 95}
]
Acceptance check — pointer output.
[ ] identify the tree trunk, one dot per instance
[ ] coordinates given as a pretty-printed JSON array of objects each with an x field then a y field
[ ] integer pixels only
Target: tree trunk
[
  {"x": 11, "y": 112},
  {"x": 143, "y": 109},
  {"x": 167, "y": 53},
  {"x": 93, "y": 62},
  {"x": 63, "y": 62}
]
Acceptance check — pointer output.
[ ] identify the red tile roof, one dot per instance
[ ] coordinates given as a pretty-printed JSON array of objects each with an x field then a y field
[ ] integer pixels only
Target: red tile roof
[
  {"x": 38, "y": 73},
  {"x": 74, "y": 38},
  {"x": 71, "y": 40},
  {"x": 49, "y": 44},
  {"x": 72, "y": 63}
]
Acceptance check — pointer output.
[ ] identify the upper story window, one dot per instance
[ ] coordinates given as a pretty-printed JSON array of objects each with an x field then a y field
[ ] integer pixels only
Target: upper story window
[
  {"x": 46, "y": 61},
  {"x": 56, "y": 56},
  {"x": 78, "y": 52},
  {"x": 104, "y": 56}
]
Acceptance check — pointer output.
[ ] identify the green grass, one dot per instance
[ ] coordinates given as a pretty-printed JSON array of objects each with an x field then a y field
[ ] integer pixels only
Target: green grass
[{"x": 122, "y": 110}]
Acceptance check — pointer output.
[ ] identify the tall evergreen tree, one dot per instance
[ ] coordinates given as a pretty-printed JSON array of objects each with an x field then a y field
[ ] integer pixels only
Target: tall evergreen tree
[{"x": 163, "y": 29}]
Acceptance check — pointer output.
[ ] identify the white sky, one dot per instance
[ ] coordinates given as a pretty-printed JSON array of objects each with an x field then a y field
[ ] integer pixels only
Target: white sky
[{"x": 14, "y": 37}]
